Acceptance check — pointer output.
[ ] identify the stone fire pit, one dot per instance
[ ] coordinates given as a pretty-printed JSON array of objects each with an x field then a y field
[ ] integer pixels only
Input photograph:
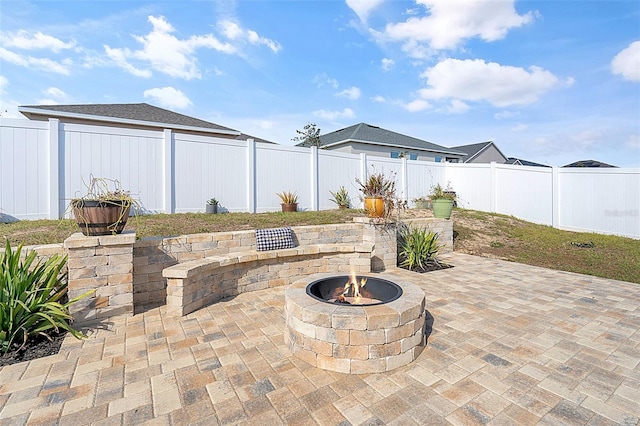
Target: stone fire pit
[{"x": 352, "y": 338}]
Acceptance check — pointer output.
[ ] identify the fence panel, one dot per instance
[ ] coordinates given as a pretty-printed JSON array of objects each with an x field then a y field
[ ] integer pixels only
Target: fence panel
[
  {"x": 24, "y": 170},
  {"x": 604, "y": 201},
  {"x": 472, "y": 184},
  {"x": 205, "y": 168},
  {"x": 281, "y": 168},
  {"x": 337, "y": 169},
  {"x": 525, "y": 192},
  {"x": 133, "y": 157},
  {"x": 391, "y": 167},
  {"x": 422, "y": 176}
]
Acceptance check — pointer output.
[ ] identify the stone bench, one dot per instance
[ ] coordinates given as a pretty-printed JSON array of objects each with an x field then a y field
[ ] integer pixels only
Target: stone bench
[{"x": 197, "y": 283}]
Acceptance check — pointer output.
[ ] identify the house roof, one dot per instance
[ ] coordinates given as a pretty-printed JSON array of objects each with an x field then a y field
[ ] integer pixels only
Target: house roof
[
  {"x": 521, "y": 162},
  {"x": 368, "y": 134},
  {"x": 475, "y": 149},
  {"x": 136, "y": 114},
  {"x": 588, "y": 163}
]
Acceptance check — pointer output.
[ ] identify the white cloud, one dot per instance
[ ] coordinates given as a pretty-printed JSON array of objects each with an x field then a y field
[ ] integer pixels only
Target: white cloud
[
  {"x": 457, "y": 107},
  {"x": 321, "y": 79},
  {"x": 119, "y": 57},
  {"x": 449, "y": 23},
  {"x": 387, "y": 64},
  {"x": 168, "y": 97},
  {"x": 55, "y": 92},
  {"x": 3, "y": 83},
  {"x": 234, "y": 32},
  {"x": 417, "y": 105},
  {"x": 42, "y": 64},
  {"x": 334, "y": 115},
  {"x": 165, "y": 52},
  {"x": 363, "y": 8},
  {"x": 519, "y": 127},
  {"x": 23, "y": 40},
  {"x": 379, "y": 99},
  {"x": 627, "y": 62},
  {"x": 352, "y": 93},
  {"x": 476, "y": 80}
]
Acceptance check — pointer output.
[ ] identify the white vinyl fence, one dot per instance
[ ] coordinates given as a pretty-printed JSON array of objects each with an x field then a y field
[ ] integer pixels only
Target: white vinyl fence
[{"x": 45, "y": 164}]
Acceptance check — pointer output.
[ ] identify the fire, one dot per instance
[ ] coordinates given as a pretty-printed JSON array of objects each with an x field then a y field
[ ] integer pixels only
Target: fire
[{"x": 355, "y": 287}]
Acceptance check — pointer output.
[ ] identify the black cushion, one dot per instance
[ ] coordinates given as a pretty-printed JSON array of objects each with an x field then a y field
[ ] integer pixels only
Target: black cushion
[{"x": 274, "y": 238}]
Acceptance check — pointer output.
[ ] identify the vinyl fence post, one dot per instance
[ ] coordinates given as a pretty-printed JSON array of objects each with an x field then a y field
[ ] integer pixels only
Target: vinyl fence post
[
  {"x": 404, "y": 180},
  {"x": 363, "y": 170},
  {"x": 492, "y": 186},
  {"x": 555, "y": 198},
  {"x": 251, "y": 175},
  {"x": 168, "y": 171},
  {"x": 55, "y": 185},
  {"x": 315, "y": 181}
]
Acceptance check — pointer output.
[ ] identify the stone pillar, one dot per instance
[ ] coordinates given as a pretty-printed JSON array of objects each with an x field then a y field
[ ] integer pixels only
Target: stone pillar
[
  {"x": 382, "y": 235},
  {"x": 103, "y": 264}
]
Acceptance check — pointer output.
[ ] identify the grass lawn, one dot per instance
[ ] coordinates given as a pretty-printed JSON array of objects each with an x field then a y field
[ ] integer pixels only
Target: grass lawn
[{"x": 477, "y": 233}]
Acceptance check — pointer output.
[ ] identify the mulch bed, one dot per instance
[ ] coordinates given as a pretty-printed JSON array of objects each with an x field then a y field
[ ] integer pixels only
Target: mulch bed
[
  {"x": 36, "y": 347},
  {"x": 431, "y": 266}
]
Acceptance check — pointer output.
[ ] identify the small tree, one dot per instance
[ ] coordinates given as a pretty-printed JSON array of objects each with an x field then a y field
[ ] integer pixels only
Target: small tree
[{"x": 310, "y": 136}]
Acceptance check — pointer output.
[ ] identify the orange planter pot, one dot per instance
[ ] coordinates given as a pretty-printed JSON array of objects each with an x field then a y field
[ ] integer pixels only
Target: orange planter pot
[
  {"x": 374, "y": 207},
  {"x": 288, "y": 208}
]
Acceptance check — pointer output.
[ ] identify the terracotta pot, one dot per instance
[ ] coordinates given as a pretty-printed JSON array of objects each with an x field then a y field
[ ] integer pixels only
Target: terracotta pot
[
  {"x": 288, "y": 208},
  {"x": 101, "y": 217},
  {"x": 374, "y": 206}
]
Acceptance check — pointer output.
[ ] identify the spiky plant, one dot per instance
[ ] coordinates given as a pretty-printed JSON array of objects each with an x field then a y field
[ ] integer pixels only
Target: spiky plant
[{"x": 32, "y": 298}]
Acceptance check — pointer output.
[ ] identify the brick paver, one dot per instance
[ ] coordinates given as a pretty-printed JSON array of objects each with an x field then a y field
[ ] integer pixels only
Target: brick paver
[{"x": 509, "y": 344}]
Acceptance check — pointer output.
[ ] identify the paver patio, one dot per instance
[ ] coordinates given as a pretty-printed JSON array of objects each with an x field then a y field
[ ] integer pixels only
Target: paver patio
[{"x": 510, "y": 344}]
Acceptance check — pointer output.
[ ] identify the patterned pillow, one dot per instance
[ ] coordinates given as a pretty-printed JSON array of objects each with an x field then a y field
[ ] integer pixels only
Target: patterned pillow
[{"x": 274, "y": 238}]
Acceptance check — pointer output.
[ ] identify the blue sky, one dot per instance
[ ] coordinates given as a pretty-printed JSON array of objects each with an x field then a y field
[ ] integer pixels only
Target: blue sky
[{"x": 547, "y": 81}]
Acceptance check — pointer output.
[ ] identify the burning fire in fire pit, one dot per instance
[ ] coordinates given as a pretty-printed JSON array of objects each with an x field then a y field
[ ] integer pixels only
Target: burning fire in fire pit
[
  {"x": 359, "y": 295},
  {"x": 357, "y": 291}
]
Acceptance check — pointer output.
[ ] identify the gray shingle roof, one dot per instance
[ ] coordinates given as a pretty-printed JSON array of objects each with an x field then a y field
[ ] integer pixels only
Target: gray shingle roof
[
  {"x": 138, "y": 112},
  {"x": 364, "y": 132},
  {"x": 589, "y": 163},
  {"x": 475, "y": 148}
]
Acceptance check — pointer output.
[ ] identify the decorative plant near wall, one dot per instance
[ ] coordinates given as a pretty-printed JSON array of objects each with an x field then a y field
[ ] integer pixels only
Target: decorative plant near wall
[
  {"x": 418, "y": 248},
  {"x": 104, "y": 209},
  {"x": 442, "y": 201},
  {"x": 33, "y": 298},
  {"x": 289, "y": 201},
  {"x": 378, "y": 193},
  {"x": 341, "y": 198},
  {"x": 212, "y": 206}
]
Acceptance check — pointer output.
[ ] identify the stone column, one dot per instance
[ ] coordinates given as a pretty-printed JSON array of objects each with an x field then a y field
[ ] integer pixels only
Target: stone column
[
  {"x": 383, "y": 236},
  {"x": 104, "y": 265}
]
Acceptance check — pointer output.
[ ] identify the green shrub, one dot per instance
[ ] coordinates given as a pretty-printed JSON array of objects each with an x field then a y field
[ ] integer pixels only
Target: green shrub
[
  {"x": 417, "y": 247},
  {"x": 32, "y": 298}
]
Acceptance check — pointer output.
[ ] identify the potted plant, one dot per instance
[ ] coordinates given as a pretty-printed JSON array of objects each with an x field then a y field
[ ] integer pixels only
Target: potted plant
[
  {"x": 442, "y": 201},
  {"x": 341, "y": 198},
  {"x": 212, "y": 206},
  {"x": 378, "y": 193},
  {"x": 289, "y": 201},
  {"x": 421, "y": 202},
  {"x": 104, "y": 209}
]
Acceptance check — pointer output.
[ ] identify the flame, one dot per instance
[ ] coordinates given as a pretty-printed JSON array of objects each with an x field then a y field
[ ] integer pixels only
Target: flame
[{"x": 355, "y": 286}]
